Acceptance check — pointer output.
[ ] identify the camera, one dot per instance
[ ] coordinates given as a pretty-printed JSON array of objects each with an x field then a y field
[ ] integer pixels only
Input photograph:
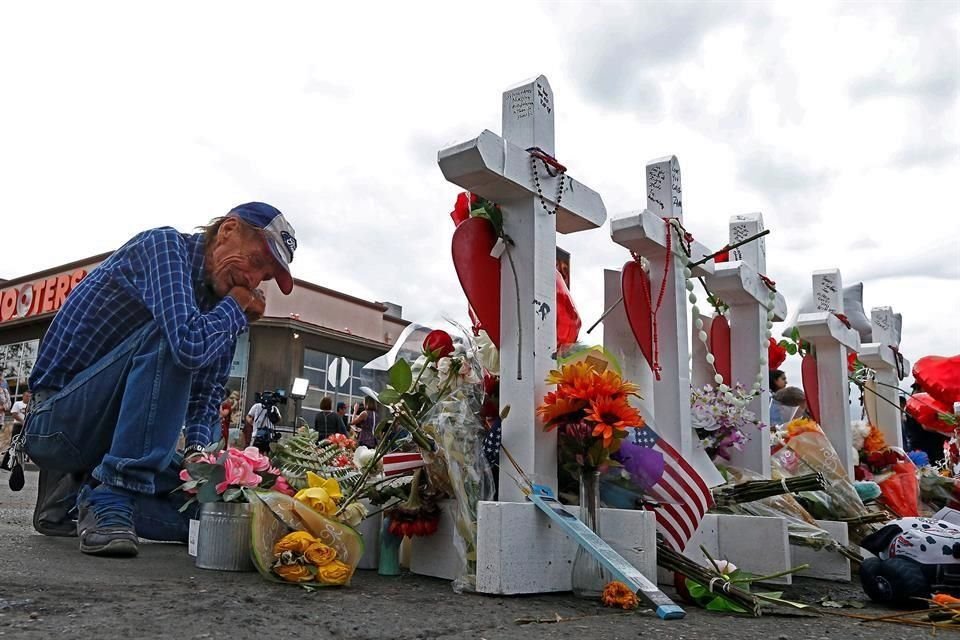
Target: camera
[{"x": 270, "y": 399}]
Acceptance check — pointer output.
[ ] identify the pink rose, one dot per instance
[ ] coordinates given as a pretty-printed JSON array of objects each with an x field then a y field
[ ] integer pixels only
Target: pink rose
[
  {"x": 185, "y": 475},
  {"x": 281, "y": 486},
  {"x": 239, "y": 472},
  {"x": 258, "y": 461}
]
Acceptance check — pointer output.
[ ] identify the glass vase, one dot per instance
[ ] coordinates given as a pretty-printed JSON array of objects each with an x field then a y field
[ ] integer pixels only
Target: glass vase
[{"x": 589, "y": 577}]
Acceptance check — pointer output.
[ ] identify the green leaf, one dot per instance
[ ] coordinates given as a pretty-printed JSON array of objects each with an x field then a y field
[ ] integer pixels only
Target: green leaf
[
  {"x": 199, "y": 470},
  {"x": 208, "y": 492},
  {"x": 389, "y": 396},
  {"x": 795, "y": 334},
  {"x": 792, "y": 349},
  {"x": 400, "y": 376},
  {"x": 231, "y": 494}
]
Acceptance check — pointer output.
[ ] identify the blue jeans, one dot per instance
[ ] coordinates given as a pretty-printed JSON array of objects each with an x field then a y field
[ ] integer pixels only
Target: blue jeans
[{"x": 120, "y": 419}]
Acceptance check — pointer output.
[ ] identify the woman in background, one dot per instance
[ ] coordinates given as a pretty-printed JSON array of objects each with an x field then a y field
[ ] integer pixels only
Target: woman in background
[{"x": 366, "y": 421}]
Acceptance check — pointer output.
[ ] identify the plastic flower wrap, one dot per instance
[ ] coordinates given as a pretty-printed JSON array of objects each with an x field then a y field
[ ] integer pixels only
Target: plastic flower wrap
[
  {"x": 292, "y": 543},
  {"x": 455, "y": 421},
  {"x": 801, "y": 526},
  {"x": 806, "y": 448}
]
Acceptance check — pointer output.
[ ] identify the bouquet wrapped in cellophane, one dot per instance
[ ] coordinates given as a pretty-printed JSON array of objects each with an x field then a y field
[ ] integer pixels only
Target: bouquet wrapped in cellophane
[
  {"x": 293, "y": 543},
  {"x": 805, "y": 448}
]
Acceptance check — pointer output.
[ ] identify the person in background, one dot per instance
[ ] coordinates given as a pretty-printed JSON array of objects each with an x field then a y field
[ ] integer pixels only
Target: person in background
[
  {"x": 226, "y": 409},
  {"x": 342, "y": 413},
  {"x": 778, "y": 380},
  {"x": 366, "y": 421},
  {"x": 916, "y": 438},
  {"x": 19, "y": 412},
  {"x": 787, "y": 404},
  {"x": 141, "y": 347},
  {"x": 4, "y": 400},
  {"x": 327, "y": 422}
]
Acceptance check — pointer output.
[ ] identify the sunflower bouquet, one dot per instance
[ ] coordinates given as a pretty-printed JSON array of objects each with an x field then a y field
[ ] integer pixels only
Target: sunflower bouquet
[{"x": 591, "y": 411}]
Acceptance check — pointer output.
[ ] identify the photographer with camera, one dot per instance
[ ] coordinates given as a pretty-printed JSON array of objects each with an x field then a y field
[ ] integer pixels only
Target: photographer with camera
[{"x": 263, "y": 418}]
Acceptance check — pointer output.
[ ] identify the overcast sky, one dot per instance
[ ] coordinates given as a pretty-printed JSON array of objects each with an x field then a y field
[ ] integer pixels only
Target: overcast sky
[{"x": 839, "y": 122}]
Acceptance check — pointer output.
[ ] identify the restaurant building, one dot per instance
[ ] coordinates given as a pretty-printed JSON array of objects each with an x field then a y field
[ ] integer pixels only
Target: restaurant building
[{"x": 316, "y": 333}]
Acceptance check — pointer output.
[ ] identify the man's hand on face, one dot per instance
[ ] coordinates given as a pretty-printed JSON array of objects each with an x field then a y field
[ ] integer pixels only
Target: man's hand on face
[{"x": 253, "y": 302}]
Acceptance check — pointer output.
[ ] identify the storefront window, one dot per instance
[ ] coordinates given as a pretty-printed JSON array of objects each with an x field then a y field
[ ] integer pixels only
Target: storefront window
[
  {"x": 335, "y": 376},
  {"x": 17, "y": 360}
]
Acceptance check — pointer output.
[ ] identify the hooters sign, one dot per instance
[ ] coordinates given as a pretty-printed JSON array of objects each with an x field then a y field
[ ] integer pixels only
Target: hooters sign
[{"x": 38, "y": 297}]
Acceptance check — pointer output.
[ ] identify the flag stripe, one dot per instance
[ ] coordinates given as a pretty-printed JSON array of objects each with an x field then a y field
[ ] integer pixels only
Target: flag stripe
[
  {"x": 682, "y": 494},
  {"x": 690, "y": 518}
]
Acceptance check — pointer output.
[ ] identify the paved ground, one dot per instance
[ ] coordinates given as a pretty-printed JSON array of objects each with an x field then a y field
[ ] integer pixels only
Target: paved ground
[{"x": 48, "y": 589}]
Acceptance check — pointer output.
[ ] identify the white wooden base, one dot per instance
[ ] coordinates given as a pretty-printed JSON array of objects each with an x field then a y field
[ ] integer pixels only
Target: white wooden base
[
  {"x": 757, "y": 545},
  {"x": 825, "y": 565},
  {"x": 436, "y": 556},
  {"x": 519, "y": 551}
]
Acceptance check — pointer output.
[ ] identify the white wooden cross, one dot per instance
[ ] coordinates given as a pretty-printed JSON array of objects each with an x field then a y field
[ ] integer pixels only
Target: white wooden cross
[
  {"x": 645, "y": 233},
  {"x": 882, "y": 355},
  {"x": 831, "y": 338},
  {"x": 739, "y": 285},
  {"x": 499, "y": 169}
]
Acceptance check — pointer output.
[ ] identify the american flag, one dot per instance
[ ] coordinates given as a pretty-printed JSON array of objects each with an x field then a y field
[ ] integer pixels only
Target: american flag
[
  {"x": 682, "y": 495},
  {"x": 396, "y": 464}
]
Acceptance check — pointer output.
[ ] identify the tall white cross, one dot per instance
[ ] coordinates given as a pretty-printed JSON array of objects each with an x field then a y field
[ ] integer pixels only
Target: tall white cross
[
  {"x": 831, "y": 338},
  {"x": 646, "y": 234},
  {"x": 739, "y": 285},
  {"x": 499, "y": 169},
  {"x": 883, "y": 356}
]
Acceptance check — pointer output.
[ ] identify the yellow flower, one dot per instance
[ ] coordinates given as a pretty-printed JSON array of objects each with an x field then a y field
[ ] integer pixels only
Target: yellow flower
[
  {"x": 320, "y": 554},
  {"x": 616, "y": 594},
  {"x": 298, "y": 541},
  {"x": 334, "y": 573},
  {"x": 294, "y": 572},
  {"x": 321, "y": 494}
]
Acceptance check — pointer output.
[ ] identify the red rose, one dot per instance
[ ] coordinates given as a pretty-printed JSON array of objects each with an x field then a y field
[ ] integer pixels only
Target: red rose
[
  {"x": 438, "y": 344},
  {"x": 776, "y": 354},
  {"x": 461, "y": 211},
  {"x": 723, "y": 256},
  {"x": 851, "y": 361}
]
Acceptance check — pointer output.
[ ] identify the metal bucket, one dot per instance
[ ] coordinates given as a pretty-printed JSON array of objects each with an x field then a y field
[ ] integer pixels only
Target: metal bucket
[{"x": 223, "y": 542}]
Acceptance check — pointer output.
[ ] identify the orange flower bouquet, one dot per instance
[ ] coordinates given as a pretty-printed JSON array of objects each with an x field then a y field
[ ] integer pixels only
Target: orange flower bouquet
[{"x": 591, "y": 411}]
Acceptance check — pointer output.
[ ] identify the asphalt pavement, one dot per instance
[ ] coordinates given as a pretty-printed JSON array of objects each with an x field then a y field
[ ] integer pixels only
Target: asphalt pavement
[{"x": 49, "y": 589}]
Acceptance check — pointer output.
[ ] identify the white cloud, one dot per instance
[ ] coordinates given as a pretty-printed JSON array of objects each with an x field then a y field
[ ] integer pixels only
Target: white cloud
[{"x": 838, "y": 122}]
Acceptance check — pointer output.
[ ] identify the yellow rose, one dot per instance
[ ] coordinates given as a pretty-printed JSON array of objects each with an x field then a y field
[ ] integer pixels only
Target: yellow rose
[
  {"x": 294, "y": 572},
  {"x": 320, "y": 554},
  {"x": 321, "y": 494},
  {"x": 298, "y": 541},
  {"x": 334, "y": 573}
]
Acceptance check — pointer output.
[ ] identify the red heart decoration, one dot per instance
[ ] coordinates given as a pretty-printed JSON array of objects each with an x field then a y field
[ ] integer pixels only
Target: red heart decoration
[
  {"x": 568, "y": 319},
  {"x": 720, "y": 347},
  {"x": 637, "y": 305},
  {"x": 479, "y": 272},
  {"x": 940, "y": 377},
  {"x": 925, "y": 409},
  {"x": 811, "y": 386}
]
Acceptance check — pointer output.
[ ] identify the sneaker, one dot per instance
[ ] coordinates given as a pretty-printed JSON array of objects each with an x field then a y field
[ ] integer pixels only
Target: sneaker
[
  {"x": 56, "y": 510},
  {"x": 105, "y": 522}
]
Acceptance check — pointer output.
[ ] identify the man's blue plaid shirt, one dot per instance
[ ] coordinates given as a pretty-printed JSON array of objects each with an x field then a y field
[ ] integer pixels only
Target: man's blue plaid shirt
[{"x": 157, "y": 276}]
